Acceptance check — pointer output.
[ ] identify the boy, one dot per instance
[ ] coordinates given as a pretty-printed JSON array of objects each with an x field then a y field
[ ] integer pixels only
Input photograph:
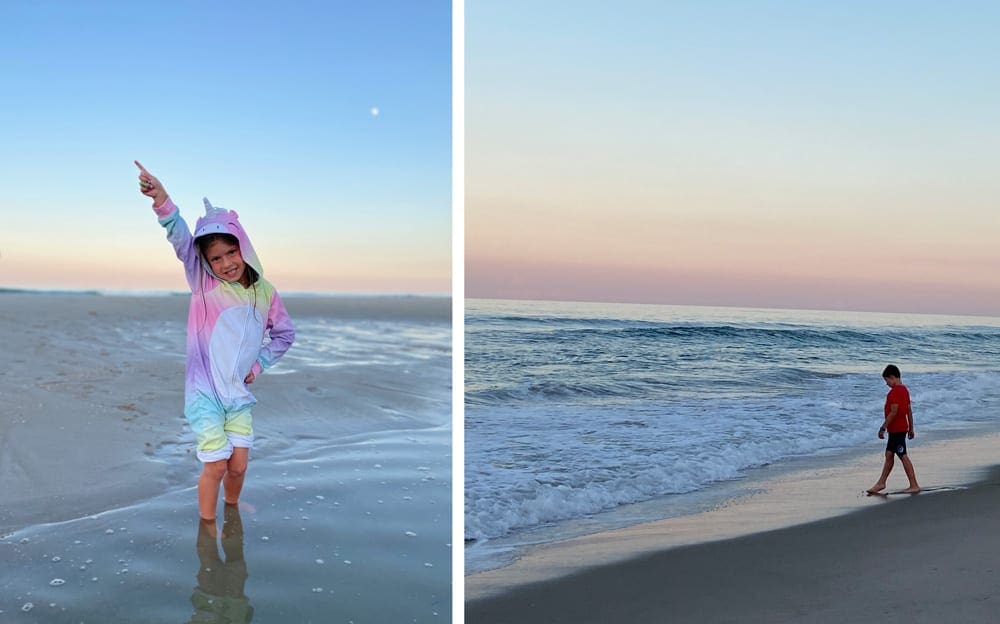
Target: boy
[{"x": 899, "y": 424}]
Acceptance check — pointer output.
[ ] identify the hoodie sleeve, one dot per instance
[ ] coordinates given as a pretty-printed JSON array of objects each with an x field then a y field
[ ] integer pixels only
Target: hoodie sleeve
[
  {"x": 180, "y": 237},
  {"x": 282, "y": 333}
]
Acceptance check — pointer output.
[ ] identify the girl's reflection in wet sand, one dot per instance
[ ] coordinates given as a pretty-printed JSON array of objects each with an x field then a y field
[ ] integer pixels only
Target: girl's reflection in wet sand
[{"x": 219, "y": 595}]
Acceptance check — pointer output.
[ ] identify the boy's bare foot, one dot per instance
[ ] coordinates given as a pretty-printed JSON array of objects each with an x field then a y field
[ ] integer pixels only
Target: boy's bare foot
[
  {"x": 875, "y": 489},
  {"x": 912, "y": 490}
]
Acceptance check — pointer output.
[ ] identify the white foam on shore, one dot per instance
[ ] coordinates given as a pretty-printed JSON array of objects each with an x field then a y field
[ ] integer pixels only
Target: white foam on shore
[
  {"x": 804, "y": 490},
  {"x": 529, "y": 467}
]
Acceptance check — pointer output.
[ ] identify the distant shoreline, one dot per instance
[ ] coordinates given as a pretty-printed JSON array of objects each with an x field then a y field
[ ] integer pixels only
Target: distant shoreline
[
  {"x": 645, "y": 306},
  {"x": 180, "y": 293},
  {"x": 728, "y": 306},
  {"x": 390, "y": 308}
]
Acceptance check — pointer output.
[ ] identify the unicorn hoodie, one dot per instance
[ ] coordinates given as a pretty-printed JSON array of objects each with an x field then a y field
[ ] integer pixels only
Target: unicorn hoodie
[{"x": 232, "y": 331}]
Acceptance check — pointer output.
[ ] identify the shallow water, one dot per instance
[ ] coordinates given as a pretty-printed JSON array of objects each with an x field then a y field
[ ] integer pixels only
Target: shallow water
[
  {"x": 352, "y": 531},
  {"x": 346, "y": 509}
]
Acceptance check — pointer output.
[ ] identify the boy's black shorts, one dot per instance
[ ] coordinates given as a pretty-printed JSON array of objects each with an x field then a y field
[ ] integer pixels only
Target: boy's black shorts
[{"x": 896, "y": 443}]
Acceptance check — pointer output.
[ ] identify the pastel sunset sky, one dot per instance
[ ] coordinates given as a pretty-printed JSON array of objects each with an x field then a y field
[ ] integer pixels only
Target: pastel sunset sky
[
  {"x": 837, "y": 155},
  {"x": 325, "y": 125}
]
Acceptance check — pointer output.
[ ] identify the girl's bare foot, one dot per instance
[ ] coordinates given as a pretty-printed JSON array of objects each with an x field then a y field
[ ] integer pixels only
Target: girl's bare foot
[{"x": 208, "y": 527}]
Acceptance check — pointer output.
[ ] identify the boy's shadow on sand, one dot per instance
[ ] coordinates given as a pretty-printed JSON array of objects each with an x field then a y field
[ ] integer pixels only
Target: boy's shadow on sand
[{"x": 219, "y": 597}]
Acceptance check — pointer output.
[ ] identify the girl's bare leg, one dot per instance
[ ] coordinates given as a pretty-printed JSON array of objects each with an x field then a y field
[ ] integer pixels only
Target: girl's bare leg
[
  {"x": 208, "y": 488},
  {"x": 236, "y": 469}
]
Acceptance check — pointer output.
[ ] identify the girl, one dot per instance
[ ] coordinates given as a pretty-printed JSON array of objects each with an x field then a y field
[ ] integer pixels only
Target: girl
[{"x": 237, "y": 327}]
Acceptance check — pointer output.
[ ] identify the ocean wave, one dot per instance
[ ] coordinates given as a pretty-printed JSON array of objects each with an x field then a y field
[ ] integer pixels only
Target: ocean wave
[
  {"x": 571, "y": 412},
  {"x": 534, "y": 465},
  {"x": 548, "y": 328},
  {"x": 589, "y": 472},
  {"x": 553, "y": 331},
  {"x": 634, "y": 387}
]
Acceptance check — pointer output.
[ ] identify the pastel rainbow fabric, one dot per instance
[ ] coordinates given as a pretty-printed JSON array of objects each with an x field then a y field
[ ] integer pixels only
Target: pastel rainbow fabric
[{"x": 231, "y": 331}]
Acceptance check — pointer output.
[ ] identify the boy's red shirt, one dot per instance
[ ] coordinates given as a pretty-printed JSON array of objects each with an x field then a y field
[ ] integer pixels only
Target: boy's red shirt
[{"x": 901, "y": 397}]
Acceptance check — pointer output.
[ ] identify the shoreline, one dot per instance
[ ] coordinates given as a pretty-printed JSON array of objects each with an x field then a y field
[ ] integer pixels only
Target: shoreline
[
  {"x": 348, "y": 494},
  {"x": 355, "y": 307},
  {"x": 93, "y": 397},
  {"x": 332, "y": 530},
  {"x": 771, "y": 499},
  {"x": 859, "y": 567}
]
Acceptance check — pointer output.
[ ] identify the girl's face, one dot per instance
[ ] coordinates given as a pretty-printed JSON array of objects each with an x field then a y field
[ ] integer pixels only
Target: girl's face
[{"x": 227, "y": 261}]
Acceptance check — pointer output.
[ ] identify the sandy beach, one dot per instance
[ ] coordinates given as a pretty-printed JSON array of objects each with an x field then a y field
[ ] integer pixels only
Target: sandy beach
[
  {"x": 348, "y": 490},
  {"x": 925, "y": 558}
]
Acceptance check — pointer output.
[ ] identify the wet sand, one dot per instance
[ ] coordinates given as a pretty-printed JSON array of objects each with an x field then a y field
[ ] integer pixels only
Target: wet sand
[
  {"x": 347, "y": 507},
  {"x": 924, "y": 558},
  {"x": 358, "y": 531}
]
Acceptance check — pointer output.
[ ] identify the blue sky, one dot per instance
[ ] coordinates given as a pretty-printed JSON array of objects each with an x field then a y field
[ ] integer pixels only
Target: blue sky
[
  {"x": 833, "y": 155},
  {"x": 264, "y": 107}
]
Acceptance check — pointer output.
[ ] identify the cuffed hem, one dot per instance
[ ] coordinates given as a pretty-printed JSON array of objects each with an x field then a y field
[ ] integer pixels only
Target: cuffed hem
[
  {"x": 217, "y": 455},
  {"x": 240, "y": 440},
  {"x": 165, "y": 209}
]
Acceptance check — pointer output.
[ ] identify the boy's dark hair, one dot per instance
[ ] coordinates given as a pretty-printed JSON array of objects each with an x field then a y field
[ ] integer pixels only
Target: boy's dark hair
[{"x": 891, "y": 371}]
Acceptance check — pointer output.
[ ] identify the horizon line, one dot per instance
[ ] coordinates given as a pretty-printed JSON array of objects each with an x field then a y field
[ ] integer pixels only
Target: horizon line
[
  {"x": 125, "y": 292},
  {"x": 734, "y": 305}
]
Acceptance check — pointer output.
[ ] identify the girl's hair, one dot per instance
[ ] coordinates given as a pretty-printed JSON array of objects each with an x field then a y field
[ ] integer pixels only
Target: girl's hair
[{"x": 204, "y": 241}]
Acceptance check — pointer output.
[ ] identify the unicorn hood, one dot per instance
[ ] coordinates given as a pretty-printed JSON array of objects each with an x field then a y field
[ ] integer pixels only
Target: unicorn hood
[{"x": 218, "y": 220}]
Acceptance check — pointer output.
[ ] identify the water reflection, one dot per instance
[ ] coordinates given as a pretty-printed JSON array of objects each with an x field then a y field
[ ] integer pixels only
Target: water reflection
[{"x": 219, "y": 597}]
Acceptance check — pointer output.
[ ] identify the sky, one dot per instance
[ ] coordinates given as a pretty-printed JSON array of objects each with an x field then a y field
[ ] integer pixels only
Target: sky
[
  {"x": 325, "y": 125},
  {"x": 836, "y": 155}
]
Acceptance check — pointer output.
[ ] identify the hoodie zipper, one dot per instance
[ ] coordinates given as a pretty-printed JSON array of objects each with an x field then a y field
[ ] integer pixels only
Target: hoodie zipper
[{"x": 243, "y": 341}]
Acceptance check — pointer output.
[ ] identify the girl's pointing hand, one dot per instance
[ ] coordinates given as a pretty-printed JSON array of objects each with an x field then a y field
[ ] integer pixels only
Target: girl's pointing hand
[{"x": 150, "y": 186}]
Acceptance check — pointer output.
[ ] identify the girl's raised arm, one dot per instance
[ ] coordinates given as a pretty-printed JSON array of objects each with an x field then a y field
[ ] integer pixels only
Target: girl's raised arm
[{"x": 150, "y": 186}]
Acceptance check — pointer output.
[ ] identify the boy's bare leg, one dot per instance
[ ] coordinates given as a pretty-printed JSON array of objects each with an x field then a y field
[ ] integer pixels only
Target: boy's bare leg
[
  {"x": 910, "y": 474},
  {"x": 886, "y": 469},
  {"x": 208, "y": 488},
  {"x": 236, "y": 469}
]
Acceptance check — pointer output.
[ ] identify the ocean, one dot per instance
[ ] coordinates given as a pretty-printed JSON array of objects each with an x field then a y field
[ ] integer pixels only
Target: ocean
[{"x": 582, "y": 417}]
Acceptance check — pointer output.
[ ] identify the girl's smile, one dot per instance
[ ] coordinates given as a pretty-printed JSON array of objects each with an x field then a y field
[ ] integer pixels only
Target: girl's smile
[{"x": 226, "y": 261}]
